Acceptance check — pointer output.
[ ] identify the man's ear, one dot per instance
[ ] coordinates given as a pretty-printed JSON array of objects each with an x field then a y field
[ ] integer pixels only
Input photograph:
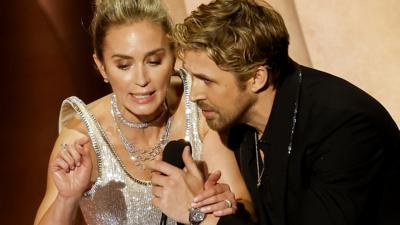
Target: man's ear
[
  {"x": 259, "y": 81},
  {"x": 100, "y": 66}
]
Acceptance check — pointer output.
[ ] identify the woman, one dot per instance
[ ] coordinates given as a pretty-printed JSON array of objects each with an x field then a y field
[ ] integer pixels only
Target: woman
[{"x": 107, "y": 179}]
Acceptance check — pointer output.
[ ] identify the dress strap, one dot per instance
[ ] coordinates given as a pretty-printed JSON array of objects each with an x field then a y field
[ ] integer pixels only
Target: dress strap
[
  {"x": 191, "y": 117},
  {"x": 72, "y": 106}
]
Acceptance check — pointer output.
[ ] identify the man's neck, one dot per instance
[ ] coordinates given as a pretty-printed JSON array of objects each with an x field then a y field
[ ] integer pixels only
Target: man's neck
[{"x": 260, "y": 112}]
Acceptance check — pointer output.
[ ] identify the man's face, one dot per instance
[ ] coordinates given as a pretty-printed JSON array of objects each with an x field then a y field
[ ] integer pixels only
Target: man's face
[{"x": 217, "y": 92}]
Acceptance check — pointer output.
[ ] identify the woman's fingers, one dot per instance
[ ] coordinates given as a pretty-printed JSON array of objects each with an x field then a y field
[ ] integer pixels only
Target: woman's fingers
[
  {"x": 157, "y": 191},
  {"x": 71, "y": 154},
  {"x": 66, "y": 156},
  {"x": 60, "y": 163},
  {"x": 190, "y": 165},
  {"x": 73, "y": 151}
]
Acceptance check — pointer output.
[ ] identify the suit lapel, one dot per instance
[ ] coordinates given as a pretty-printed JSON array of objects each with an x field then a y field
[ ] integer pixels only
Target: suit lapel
[{"x": 276, "y": 157}]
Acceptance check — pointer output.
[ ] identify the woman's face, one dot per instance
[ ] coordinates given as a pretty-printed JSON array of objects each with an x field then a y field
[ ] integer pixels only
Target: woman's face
[{"x": 138, "y": 62}]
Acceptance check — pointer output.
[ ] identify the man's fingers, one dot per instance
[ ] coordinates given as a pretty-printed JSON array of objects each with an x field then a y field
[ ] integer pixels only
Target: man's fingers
[
  {"x": 214, "y": 199},
  {"x": 212, "y": 191},
  {"x": 212, "y": 179},
  {"x": 224, "y": 212},
  {"x": 220, "y": 207}
]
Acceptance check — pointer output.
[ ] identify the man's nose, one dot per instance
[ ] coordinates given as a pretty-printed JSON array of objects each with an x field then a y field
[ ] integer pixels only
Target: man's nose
[{"x": 196, "y": 92}]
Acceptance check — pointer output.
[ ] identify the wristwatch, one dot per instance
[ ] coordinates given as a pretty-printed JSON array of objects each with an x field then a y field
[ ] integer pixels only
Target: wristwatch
[{"x": 196, "y": 216}]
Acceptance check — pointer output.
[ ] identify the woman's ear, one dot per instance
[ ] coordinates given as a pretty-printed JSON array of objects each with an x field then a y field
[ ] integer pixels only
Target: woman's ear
[
  {"x": 259, "y": 81},
  {"x": 100, "y": 67}
]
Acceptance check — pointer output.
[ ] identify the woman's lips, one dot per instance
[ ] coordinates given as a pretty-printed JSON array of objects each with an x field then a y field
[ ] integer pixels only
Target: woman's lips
[{"x": 143, "y": 98}]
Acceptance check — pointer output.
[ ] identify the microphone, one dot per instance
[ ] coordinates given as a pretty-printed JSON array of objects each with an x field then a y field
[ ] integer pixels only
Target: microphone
[{"x": 172, "y": 154}]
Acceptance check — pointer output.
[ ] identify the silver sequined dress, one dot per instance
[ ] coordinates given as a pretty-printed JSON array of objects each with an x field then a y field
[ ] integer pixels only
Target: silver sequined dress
[{"x": 117, "y": 198}]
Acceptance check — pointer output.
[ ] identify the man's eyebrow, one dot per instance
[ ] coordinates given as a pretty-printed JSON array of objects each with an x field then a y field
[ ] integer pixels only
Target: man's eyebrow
[{"x": 198, "y": 75}]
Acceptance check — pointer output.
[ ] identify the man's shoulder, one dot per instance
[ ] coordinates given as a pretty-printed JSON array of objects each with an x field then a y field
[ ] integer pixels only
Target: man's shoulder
[
  {"x": 329, "y": 101},
  {"x": 328, "y": 90}
]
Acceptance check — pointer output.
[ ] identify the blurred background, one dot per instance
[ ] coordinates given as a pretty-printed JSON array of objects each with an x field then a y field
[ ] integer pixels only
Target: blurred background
[{"x": 46, "y": 57}]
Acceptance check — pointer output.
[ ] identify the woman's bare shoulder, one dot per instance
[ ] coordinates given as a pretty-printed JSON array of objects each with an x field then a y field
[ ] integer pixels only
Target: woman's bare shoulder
[{"x": 98, "y": 108}]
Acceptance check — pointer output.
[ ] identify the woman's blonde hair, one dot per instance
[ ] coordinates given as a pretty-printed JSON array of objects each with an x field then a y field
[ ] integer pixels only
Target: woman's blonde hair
[
  {"x": 238, "y": 35},
  {"x": 109, "y": 13}
]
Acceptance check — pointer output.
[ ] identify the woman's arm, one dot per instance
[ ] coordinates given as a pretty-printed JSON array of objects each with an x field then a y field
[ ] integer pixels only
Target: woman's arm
[
  {"x": 218, "y": 157},
  {"x": 68, "y": 176}
]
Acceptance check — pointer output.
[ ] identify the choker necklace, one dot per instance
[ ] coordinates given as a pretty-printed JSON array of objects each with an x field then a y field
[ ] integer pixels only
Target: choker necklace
[
  {"x": 130, "y": 124},
  {"x": 140, "y": 155},
  {"x": 259, "y": 175}
]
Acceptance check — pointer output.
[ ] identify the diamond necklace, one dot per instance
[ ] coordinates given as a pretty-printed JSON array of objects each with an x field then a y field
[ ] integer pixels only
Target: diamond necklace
[
  {"x": 259, "y": 175},
  {"x": 130, "y": 124},
  {"x": 139, "y": 155}
]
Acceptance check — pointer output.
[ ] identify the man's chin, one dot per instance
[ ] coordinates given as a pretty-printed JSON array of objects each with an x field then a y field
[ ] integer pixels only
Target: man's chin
[{"x": 216, "y": 125}]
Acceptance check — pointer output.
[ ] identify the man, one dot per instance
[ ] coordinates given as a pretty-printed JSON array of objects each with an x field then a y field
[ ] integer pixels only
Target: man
[{"x": 312, "y": 148}]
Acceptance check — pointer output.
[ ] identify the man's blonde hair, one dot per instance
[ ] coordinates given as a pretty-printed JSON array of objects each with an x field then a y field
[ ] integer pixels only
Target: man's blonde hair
[{"x": 238, "y": 35}]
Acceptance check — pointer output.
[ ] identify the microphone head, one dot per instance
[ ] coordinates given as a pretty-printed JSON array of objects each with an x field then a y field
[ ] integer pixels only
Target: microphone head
[{"x": 173, "y": 150}]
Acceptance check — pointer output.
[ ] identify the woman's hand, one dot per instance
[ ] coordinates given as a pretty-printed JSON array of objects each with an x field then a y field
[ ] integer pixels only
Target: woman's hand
[
  {"x": 216, "y": 198},
  {"x": 71, "y": 169},
  {"x": 174, "y": 188}
]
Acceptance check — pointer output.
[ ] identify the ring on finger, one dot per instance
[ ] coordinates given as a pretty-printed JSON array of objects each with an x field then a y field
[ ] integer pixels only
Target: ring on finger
[
  {"x": 63, "y": 146},
  {"x": 228, "y": 203}
]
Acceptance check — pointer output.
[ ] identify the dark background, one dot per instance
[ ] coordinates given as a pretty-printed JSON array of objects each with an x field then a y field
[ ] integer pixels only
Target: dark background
[{"x": 45, "y": 57}]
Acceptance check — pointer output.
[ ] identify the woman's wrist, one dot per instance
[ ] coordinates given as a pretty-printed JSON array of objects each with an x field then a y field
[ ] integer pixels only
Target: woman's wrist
[
  {"x": 62, "y": 211},
  {"x": 68, "y": 200}
]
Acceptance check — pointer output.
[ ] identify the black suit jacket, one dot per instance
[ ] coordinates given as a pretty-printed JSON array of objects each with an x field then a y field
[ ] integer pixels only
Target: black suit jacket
[{"x": 344, "y": 166}]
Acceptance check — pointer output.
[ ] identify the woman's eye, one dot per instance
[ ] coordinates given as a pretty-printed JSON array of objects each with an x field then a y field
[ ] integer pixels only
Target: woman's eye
[
  {"x": 123, "y": 67},
  {"x": 155, "y": 62}
]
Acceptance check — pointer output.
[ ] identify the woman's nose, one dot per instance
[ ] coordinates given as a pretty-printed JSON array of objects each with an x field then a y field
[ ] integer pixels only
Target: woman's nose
[{"x": 141, "y": 77}]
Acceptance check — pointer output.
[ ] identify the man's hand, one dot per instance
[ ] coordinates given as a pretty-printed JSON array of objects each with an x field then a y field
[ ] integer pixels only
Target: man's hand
[{"x": 217, "y": 198}]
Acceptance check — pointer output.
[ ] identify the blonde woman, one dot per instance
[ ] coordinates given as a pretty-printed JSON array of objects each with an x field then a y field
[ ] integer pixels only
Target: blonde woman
[{"x": 103, "y": 173}]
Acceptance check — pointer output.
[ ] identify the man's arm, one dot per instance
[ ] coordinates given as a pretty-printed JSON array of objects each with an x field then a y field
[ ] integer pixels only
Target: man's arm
[{"x": 344, "y": 174}]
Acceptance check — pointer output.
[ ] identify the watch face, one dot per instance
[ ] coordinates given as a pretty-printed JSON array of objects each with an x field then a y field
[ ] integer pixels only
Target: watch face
[{"x": 196, "y": 216}]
